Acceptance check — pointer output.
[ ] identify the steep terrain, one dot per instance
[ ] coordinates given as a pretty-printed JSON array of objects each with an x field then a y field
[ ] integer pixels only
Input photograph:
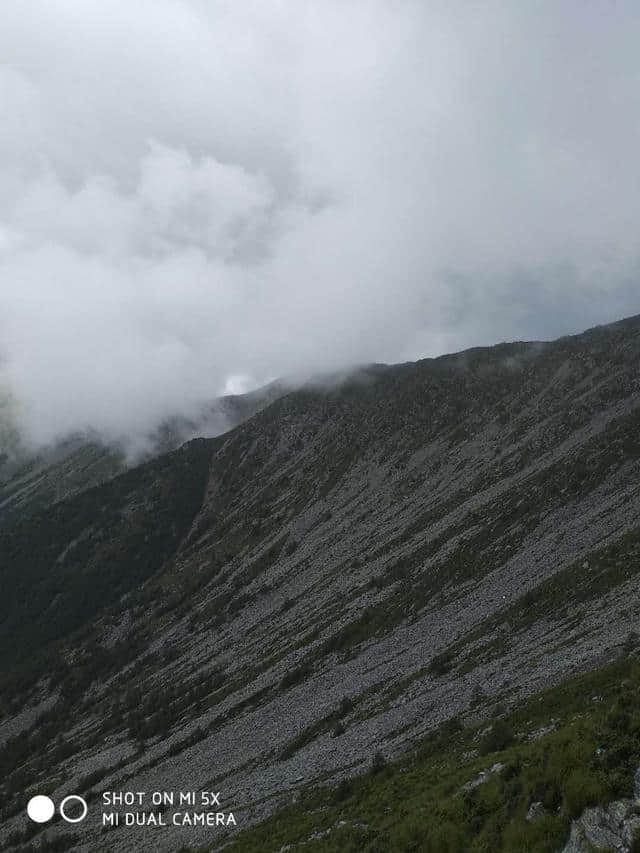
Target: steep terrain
[
  {"x": 33, "y": 480},
  {"x": 329, "y": 582}
]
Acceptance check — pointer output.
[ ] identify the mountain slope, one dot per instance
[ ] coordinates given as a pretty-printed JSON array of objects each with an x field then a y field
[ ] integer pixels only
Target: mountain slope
[
  {"x": 357, "y": 565},
  {"x": 528, "y": 782},
  {"x": 32, "y": 481}
]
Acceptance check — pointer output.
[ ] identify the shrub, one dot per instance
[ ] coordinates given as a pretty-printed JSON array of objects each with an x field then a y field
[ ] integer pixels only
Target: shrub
[
  {"x": 582, "y": 789},
  {"x": 499, "y": 736},
  {"x": 378, "y": 763},
  {"x": 346, "y": 705},
  {"x": 343, "y": 791},
  {"x": 441, "y": 664},
  {"x": 295, "y": 676},
  {"x": 477, "y": 696},
  {"x": 545, "y": 833}
]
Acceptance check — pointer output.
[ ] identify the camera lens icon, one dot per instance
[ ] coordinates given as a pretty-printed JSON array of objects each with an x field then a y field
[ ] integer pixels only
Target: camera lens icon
[{"x": 41, "y": 808}]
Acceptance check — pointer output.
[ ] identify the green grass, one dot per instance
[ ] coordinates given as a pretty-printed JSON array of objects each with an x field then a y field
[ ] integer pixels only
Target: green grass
[{"x": 419, "y": 804}]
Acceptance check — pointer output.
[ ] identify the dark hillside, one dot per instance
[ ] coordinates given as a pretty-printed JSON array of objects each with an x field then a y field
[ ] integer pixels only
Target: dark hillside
[{"x": 62, "y": 566}]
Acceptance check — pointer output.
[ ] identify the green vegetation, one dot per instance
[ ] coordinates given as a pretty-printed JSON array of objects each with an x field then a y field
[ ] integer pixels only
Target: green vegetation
[
  {"x": 573, "y": 746},
  {"x": 63, "y": 566}
]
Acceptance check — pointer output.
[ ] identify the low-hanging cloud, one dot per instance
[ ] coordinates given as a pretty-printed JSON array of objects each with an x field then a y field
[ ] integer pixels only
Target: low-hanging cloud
[{"x": 201, "y": 196}]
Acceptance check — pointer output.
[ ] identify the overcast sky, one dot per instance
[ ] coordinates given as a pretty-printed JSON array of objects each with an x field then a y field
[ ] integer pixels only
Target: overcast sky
[{"x": 200, "y": 195}]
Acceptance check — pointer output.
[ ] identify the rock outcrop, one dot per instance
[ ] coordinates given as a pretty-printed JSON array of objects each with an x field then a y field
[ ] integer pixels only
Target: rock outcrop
[{"x": 613, "y": 827}]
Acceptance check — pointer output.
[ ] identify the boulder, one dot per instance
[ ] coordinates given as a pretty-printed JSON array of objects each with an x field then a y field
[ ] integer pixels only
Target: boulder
[{"x": 614, "y": 827}]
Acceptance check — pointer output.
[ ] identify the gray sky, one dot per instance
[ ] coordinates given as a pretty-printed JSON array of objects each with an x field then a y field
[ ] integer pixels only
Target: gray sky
[{"x": 200, "y": 196}]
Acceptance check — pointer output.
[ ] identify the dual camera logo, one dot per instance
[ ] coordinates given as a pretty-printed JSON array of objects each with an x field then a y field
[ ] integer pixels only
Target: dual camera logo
[{"x": 41, "y": 809}]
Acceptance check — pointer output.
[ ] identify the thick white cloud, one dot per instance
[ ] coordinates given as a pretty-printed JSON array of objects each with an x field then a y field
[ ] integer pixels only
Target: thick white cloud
[{"x": 199, "y": 194}]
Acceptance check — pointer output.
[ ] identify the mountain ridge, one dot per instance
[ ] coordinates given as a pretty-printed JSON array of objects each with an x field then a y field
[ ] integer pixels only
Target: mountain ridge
[{"x": 364, "y": 562}]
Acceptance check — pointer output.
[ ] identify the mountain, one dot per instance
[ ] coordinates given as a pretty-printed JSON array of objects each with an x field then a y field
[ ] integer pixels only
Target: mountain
[
  {"x": 34, "y": 480},
  {"x": 391, "y": 612}
]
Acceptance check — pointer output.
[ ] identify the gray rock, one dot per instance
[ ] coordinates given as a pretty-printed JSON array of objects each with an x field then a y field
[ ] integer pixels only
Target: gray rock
[
  {"x": 483, "y": 776},
  {"x": 613, "y": 827},
  {"x": 536, "y": 810}
]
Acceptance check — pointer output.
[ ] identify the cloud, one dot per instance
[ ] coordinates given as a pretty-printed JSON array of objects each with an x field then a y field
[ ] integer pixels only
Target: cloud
[{"x": 197, "y": 194}]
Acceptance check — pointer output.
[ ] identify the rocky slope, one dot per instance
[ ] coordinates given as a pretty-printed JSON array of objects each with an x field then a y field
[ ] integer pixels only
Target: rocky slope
[
  {"x": 32, "y": 480},
  {"x": 334, "y": 578}
]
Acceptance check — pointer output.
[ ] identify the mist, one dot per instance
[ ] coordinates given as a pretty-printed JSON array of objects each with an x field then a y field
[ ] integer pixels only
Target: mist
[{"x": 199, "y": 197}]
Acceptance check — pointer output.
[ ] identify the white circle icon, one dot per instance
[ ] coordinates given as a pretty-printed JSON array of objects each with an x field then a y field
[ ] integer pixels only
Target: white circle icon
[
  {"x": 74, "y": 798},
  {"x": 40, "y": 809}
]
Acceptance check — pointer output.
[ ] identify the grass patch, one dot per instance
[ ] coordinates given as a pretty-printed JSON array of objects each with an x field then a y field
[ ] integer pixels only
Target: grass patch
[{"x": 421, "y": 804}]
